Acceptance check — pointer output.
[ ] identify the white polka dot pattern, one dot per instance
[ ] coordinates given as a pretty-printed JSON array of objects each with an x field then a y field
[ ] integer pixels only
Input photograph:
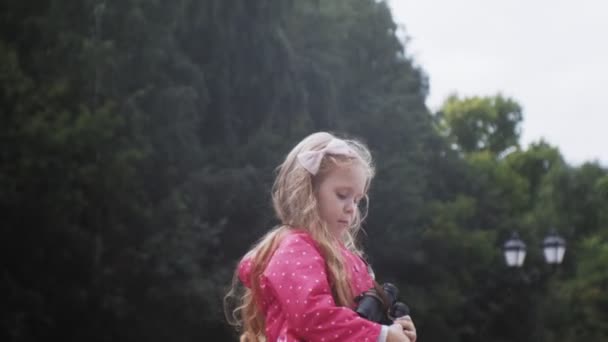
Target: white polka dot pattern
[{"x": 297, "y": 299}]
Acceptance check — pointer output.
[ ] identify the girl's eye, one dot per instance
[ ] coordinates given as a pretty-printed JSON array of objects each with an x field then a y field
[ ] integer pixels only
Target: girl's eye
[{"x": 342, "y": 196}]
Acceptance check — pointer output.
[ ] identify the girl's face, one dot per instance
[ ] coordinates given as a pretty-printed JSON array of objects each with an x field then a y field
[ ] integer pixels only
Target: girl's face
[{"x": 338, "y": 195}]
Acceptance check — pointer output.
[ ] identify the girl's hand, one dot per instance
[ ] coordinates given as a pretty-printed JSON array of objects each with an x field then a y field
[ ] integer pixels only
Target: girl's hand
[
  {"x": 396, "y": 334},
  {"x": 408, "y": 327}
]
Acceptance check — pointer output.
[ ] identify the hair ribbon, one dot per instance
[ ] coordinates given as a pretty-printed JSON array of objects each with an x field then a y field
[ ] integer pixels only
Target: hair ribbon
[{"x": 311, "y": 160}]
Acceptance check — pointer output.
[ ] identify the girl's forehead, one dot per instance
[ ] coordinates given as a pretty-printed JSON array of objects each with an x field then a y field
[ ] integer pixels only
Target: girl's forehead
[{"x": 352, "y": 176}]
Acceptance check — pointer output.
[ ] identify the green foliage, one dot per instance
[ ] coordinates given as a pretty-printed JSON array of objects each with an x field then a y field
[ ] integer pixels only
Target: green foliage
[
  {"x": 530, "y": 191},
  {"x": 481, "y": 123},
  {"x": 142, "y": 139},
  {"x": 584, "y": 295}
]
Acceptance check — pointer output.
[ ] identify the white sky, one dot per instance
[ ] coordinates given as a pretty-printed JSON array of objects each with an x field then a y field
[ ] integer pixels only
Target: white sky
[{"x": 551, "y": 56}]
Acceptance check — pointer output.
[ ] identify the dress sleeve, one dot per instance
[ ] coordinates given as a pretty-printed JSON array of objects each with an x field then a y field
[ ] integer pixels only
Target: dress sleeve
[{"x": 297, "y": 276}]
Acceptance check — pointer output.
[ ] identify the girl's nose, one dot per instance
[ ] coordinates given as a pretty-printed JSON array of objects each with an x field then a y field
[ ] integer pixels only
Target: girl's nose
[{"x": 349, "y": 207}]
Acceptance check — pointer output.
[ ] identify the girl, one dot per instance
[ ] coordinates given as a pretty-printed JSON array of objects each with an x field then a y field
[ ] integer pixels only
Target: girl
[{"x": 303, "y": 276}]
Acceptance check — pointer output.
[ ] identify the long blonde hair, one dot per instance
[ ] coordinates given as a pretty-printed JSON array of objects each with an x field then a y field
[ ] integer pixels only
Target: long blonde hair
[{"x": 295, "y": 205}]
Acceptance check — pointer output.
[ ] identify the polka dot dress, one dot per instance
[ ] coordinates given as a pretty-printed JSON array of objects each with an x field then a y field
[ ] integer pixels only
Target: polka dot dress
[{"x": 296, "y": 296}]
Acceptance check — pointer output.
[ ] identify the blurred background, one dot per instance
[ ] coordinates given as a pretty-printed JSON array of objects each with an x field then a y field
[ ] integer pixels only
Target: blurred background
[{"x": 139, "y": 139}]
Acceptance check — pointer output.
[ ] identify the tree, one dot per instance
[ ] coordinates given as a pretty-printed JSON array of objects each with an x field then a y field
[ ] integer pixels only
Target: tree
[{"x": 481, "y": 123}]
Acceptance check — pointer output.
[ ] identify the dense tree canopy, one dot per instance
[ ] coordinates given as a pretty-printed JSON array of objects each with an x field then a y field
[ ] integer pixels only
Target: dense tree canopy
[
  {"x": 139, "y": 142},
  {"x": 481, "y": 123}
]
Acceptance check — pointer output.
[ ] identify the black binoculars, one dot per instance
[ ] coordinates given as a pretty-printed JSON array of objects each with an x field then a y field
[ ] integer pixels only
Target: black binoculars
[{"x": 380, "y": 307}]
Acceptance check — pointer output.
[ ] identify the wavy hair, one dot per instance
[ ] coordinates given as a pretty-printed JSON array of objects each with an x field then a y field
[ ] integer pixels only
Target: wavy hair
[{"x": 295, "y": 204}]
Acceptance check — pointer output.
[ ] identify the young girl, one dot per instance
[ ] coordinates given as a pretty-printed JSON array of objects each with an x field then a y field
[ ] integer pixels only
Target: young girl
[{"x": 303, "y": 276}]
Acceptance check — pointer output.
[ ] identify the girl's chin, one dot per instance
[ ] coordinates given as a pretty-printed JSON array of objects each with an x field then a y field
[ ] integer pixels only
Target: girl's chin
[{"x": 340, "y": 228}]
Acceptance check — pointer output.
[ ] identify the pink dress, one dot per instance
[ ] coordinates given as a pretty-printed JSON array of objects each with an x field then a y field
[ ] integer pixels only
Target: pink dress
[{"x": 296, "y": 297}]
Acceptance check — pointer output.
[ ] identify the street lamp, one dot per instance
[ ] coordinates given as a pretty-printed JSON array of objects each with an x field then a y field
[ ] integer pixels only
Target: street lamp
[
  {"x": 515, "y": 251},
  {"x": 554, "y": 247}
]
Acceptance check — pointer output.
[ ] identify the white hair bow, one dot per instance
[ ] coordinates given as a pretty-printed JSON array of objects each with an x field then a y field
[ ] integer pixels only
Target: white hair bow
[{"x": 311, "y": 160}]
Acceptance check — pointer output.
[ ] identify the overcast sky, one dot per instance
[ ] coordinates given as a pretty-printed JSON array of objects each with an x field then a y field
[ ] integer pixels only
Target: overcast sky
[{"x": 551, "y": 56}]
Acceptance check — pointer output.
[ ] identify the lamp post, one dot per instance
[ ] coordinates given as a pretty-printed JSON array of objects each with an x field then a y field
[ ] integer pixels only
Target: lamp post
[
  {"x": 515, "y": 251},
  {"x": 554, "y": 248},
  {"x": 526, "y": 287}
]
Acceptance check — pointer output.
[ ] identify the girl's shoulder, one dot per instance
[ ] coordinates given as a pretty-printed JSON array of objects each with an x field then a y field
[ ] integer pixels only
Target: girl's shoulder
[
  {"x": 295, "y": 243},
  {"x": 296, "y": 240}
]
